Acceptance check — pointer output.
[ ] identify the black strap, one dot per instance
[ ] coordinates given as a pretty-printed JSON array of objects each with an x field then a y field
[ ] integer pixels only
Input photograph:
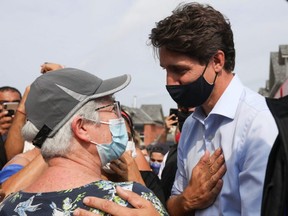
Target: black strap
[{"x": 41, "y": 136}]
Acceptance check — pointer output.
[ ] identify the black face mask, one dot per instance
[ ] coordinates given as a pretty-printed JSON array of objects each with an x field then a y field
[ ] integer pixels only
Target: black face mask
[
  {"x": 193, "y": 94},
  {"x": 182, "y": 117}
]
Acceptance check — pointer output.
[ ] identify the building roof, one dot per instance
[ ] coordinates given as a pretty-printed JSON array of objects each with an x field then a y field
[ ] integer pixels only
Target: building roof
[
  {"x": 138, "y": 116},
  {"x": 278, "y": 71},
  {"x": 284, "y": 50},
  {"x": 154, "y": 111}
]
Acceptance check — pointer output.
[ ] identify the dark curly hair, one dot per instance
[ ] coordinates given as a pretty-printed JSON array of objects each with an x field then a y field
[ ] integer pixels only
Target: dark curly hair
[{"x": 197, "y": 31}]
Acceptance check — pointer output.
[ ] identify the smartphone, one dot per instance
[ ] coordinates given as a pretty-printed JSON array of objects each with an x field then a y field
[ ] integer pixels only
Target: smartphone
[
  {"x": 175, "y": 112},
  {"x": 11, "y": 107}
]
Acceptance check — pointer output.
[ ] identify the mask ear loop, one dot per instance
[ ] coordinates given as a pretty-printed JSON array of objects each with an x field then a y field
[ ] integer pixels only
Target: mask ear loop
[
  {"x": 93, "y": 142},
  {"x": 204, "y": 69},
  {"x": 216, "y": 75}
]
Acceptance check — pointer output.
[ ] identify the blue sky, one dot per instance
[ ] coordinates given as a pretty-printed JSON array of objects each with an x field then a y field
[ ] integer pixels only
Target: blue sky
[{"x": 109, "y": 38}]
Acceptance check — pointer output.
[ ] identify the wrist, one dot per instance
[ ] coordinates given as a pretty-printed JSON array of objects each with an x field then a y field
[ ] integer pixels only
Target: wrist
[
  {"x": 187, "y": 201},
  {"x": 183, "y": 209},
  {"x": 168, "y": 129},
  {"x": 20, "y": 111}
]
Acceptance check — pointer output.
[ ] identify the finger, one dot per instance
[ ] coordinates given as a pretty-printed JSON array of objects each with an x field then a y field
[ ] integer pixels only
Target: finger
[
  {"x": 220, "y": 173},
  {"x": 217, "y": 164},
  {"x": 82, "y": 212},
  {"x": 105, "y": 206},
  {"x": 129, "y": 152},
  {"x": 121, "y": 164},
  {"x": 116, "y": 169},
  {"x": 209, "y": 196},
  {"x": 120, "y": 168},
  {"x": 217, "y": 188},
  {"x": 216, "y": 178},
  {"x": 117, "y": 162},
  {"x": 170, "y": 117},
  {"x": 3, "y": 113},
  {"x": 134, "y": 199},
  {"x": 6, "y": 122},
  {"x": 205, "y": 158},
  {"x": 5, "y": 125},
  {"x": 44, "y": 69},
  {"x": 126, "y": 158},
  {"x": 216, "y": 155}
]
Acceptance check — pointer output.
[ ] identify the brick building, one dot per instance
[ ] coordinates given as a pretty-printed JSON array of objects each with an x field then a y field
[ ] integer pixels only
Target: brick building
[
  {"x": 277, "y": 85},
  {"x": 149, "y": 122}
]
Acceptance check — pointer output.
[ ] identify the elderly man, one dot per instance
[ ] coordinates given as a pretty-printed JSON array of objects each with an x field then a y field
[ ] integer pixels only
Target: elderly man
[{"x": 73, "y": 118}]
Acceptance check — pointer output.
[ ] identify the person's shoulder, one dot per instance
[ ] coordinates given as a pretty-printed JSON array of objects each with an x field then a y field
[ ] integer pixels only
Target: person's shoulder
[
  {"x": 149, "y": 195},
  {"x": 255, "y": 110},
  {"x": 135, "y": 187},
  {"x": 254, "y": 100}
]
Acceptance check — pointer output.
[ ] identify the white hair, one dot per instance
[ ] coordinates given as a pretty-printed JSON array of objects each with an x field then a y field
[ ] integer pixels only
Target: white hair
[{"x": 60, "y": 144}]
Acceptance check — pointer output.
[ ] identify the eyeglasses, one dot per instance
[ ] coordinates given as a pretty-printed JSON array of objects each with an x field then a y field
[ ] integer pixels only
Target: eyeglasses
[{"x": 113, "y": 107}]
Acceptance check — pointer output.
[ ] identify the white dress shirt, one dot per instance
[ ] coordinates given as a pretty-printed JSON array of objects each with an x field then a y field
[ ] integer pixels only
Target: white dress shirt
[{"x": 242, "y": 125}]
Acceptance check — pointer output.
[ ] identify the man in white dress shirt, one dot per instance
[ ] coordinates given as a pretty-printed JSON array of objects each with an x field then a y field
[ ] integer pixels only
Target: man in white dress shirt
[{"x": 196, "y": 48}]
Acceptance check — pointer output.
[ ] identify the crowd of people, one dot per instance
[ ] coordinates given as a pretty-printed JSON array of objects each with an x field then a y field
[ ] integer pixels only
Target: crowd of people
[{"x": 70, "y": 148}]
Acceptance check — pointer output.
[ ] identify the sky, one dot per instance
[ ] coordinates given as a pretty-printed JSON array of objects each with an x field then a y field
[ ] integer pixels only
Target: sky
[{"x": 110, "y": 38}]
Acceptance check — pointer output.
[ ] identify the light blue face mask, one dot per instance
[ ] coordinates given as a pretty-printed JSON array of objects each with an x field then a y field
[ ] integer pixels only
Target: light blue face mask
[{"x": 116, "y": 148}]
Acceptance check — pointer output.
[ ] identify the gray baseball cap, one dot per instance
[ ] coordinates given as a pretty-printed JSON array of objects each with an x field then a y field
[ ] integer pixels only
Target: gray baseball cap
[{"x": 55, "y": 97}]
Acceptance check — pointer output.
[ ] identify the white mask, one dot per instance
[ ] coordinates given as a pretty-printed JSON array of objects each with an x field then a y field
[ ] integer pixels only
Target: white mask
[
  {"x": 131, "y": 147},
  {"x": 115, "y": 149}
]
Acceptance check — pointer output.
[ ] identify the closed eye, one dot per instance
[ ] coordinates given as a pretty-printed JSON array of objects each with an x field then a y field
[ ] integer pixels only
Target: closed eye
[{"x": 179, "y": 70}]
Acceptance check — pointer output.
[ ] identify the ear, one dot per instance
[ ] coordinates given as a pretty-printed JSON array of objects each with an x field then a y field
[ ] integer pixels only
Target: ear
[
  {"x": 219, "y": 61},
  {"x": 80, "y": 129}
]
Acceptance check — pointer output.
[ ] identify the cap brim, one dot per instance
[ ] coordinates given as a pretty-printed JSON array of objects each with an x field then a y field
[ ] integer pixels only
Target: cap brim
[
  {"x": 107, "y": 87},
  {"x": 111, "y": 86}
]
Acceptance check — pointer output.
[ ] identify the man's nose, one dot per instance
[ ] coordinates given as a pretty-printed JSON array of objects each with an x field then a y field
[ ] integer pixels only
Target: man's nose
[{"x": 172, "y": 79}]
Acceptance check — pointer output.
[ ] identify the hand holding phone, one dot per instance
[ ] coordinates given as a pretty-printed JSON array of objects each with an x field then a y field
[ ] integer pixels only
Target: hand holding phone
[
  {"x": 11, "y": 107},
  {"x": 6, "y": 116},
  {"x": 175, "y": 112}
]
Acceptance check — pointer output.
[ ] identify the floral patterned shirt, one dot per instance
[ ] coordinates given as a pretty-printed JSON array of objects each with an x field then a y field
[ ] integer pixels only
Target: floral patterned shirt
[{"x": 63, "y": 203}]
